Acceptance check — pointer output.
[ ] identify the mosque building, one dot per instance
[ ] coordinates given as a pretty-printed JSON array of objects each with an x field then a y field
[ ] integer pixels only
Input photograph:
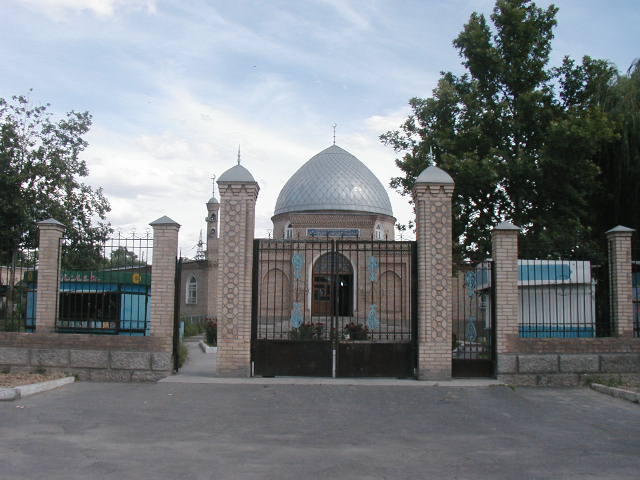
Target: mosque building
[{"x": 332, "y": 196}]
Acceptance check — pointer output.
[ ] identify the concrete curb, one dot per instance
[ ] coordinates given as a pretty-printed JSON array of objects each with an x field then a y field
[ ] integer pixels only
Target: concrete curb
[
  {"x": 22, "y": 391},
  {"x": 628, "y": 395},
  {"x": 353, "y": 382},
  {"x": 206, "y": 348}
]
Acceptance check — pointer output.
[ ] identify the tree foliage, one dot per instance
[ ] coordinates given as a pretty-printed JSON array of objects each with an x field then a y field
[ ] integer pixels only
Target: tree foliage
[
  {"x": 519, "y": 137},
  {"x": 41, "y": 172}
]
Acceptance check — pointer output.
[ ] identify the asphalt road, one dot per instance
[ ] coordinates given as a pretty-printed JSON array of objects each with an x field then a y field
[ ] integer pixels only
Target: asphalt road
[{"x": 203, "y": 431}]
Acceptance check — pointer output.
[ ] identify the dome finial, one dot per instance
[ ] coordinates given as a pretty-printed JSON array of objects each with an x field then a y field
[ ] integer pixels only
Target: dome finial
[
  {"x": 238, "y": 154},
  {"x": 431, "y": 156},
  {"x": 334, "y": 132}
]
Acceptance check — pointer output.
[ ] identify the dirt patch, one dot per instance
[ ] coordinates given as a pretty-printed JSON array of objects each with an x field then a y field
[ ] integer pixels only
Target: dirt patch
[{"x": 18, "y": 379}]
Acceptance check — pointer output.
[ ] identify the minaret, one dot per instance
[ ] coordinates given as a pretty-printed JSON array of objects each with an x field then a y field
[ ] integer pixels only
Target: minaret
[{"x": 213, "y": 206}]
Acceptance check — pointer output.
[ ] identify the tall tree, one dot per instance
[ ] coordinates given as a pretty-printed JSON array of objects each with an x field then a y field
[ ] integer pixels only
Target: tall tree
[
  {"x": 41, "y": 172},
  {"x": 502, "y": 130},
  {"x": 618, "y": 201}
]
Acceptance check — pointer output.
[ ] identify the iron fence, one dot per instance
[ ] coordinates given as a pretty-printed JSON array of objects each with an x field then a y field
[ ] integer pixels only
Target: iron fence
[
  {"x": 563, "y": 299},
  {"x": 473, "y": 322},
  {"x": 635, "y": 272},
  {"x": 105, "y": 288},
  {"x": 334, "y": 307},
  {"x": 18, "y": 287}
]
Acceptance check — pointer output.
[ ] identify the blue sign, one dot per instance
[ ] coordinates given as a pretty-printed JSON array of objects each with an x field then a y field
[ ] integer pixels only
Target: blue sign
[
  {"x": 470, "y": 281},
  {"x": 374, "y": 267},
  {"x": 470, "y": 332},
  {"x": 333, "y": 232},
  {"x": 297, "y": 260},
  {"x": 296, "y": 315},
  {"x": 372, "y": 318}
]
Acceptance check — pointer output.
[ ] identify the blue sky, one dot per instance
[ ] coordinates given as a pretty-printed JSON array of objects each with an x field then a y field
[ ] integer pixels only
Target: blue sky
[{"x": 175, "y": 86}]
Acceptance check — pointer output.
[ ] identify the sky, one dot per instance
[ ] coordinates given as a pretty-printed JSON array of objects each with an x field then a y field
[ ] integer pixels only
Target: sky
[{"x": 174, "y": 87}]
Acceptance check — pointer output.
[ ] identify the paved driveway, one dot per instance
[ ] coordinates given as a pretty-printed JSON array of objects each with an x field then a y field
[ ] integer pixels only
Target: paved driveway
[{"x": 202, "y": 431}]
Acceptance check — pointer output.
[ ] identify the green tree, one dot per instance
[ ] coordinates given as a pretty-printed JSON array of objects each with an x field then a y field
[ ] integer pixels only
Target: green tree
[
  {"x": 123, "y": 257},
  {"x": 40, "y": 176},
  {"x": 517, "y": 136}
]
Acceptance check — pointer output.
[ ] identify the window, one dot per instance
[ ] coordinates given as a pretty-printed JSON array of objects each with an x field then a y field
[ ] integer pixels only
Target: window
[
  {"x": 192, "y": 291},
  {"x": 288, "y": 232},
  {"x": 379, "y": 233}
]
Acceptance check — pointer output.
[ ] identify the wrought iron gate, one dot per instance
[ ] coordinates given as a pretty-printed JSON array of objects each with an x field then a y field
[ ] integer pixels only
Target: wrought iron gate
[
  {"x": 341, "y": 308},
  {"x": 473, "y": 349}
]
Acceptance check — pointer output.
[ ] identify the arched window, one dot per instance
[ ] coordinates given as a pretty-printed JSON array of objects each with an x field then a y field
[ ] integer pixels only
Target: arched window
[
  {"x": 288, "y": 232},
  {"x": 192, "y": 291},
  {"x": 379, "y": 233}
]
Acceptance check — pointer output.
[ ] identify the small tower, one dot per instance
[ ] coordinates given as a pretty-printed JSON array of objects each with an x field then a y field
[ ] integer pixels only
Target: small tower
[{"x": 213, "y": 207}]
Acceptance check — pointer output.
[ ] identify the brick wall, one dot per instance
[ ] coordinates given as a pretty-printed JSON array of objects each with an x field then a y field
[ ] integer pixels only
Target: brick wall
[
  {"x": 90, "y": 356},
  {"x": 563, "y": 361}
]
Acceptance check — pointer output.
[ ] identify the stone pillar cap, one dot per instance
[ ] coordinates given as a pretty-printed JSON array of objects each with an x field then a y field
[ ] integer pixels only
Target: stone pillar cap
[
  {"x": 164, "y": 220},
  {"x": 620, "y": 229},
  {"x": 51, "y": 221},
  {"x": 506, "y": 226},
  {"x": 434, "y": 174}
]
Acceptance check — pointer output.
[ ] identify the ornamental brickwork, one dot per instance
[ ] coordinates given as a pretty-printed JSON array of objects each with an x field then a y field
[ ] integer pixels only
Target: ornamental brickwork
[
  {"x": 433, "y": 234},
  {"x": 237, "y": 223}
]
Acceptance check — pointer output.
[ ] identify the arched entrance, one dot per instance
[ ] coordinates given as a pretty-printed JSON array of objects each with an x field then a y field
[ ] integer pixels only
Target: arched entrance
[{"x": 332, "y": 290}]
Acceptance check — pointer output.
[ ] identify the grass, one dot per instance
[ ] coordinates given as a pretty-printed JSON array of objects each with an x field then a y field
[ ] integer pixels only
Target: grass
[{"x": 183, "y": 353}]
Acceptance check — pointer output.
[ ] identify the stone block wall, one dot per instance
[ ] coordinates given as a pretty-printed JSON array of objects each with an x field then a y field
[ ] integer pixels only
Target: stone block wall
[
  {"x": 566, "y": 369},
  {"x": 97, "y": 358},
  {"x": 568, "y": 361}
]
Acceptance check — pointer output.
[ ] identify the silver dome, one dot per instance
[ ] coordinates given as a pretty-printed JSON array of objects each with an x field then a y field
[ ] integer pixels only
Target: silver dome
[{"x": 333, "y": 180}]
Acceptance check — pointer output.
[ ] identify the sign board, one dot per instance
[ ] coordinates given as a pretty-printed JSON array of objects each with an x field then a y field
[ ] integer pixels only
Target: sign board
[{"x": 333, "y": 232}]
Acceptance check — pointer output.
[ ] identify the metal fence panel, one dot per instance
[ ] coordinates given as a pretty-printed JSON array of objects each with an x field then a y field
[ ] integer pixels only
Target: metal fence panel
[
  {"x": 18, "y": 288},
  {"x": 105, "y": 288}
]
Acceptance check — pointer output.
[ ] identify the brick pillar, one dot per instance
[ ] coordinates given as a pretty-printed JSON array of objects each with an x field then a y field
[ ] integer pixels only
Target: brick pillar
[
  {"x": 432, "y": 197},
  {"x": 504, "y": 250},
  {"x": 49, "y": 235},
  {"x": 163, "y": 274},
  {"x": 620, "y": 288},
  {"x": 238, "y": 194}
]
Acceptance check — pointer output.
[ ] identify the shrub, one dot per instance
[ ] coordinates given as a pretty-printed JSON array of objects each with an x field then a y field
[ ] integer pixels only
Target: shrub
[
  {"x": 211, "y": 333},
  {"x": 353, "y": 331},
  {"x": 307, "y": 331},
  {"x": 192, "y": 329}
]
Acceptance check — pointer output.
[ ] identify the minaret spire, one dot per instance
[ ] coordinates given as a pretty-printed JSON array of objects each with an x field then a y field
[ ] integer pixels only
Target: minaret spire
[
  {"x": 213, "y": 186},
  {"x": 334, "y": 132},
  {"x": 238, "y": 154}
]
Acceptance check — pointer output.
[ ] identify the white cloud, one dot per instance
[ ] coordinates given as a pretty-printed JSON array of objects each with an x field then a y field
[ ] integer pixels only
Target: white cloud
[
  {"x": 383, "y": 123},
  {"x": 61, "y": 9}
]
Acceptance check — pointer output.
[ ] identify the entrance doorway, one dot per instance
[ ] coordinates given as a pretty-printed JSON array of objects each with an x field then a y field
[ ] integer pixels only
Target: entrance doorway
[{"x": 332, "y": 292}]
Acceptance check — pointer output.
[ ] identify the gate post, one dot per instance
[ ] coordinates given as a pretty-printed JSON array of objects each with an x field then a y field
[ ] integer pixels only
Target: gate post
[
  {"x": 620, "y": 289},
  {"x": 504, "y": 252},
  {"x": 163, "y": 277},
  {"x": 49, "y": 235},
  {"x": 432, "y": 194},
  {"x": 238, "y": 194}
]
